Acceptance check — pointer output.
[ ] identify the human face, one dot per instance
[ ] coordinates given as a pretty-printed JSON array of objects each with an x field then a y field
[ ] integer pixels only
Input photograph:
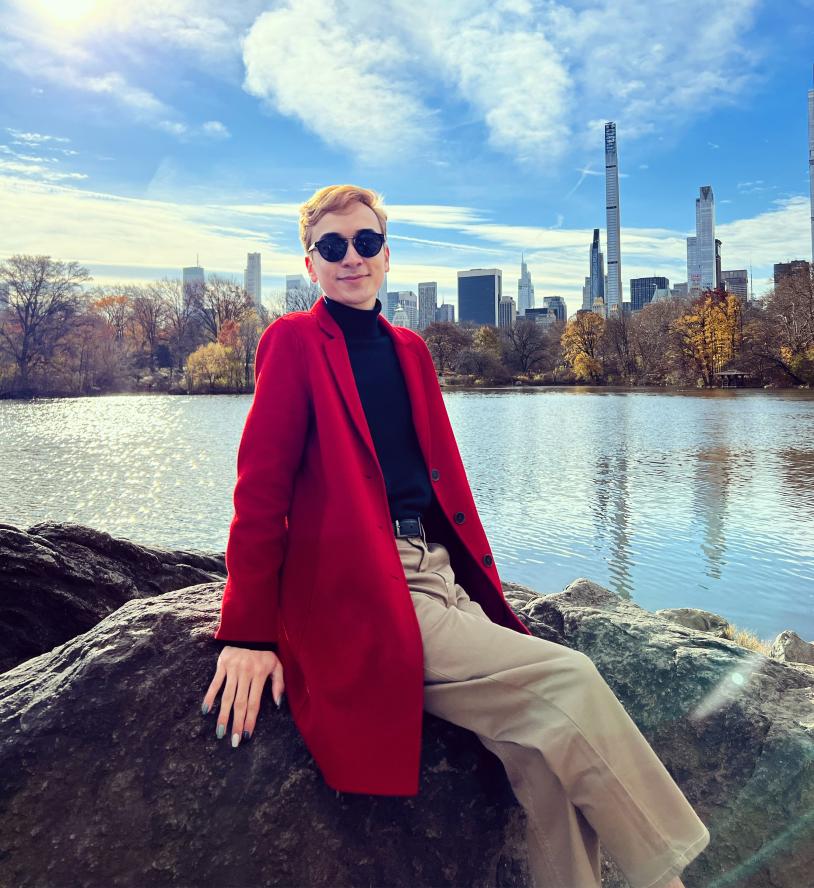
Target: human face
[{"x": 354, "y": 280}]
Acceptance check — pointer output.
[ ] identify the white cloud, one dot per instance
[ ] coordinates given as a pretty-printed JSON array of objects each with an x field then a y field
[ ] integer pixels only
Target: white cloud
[
  {"x": 33, "y": 138},
  {"x": 38, "y": 171},
  {"x": 215, "y": 129},
  {"x": 313, "y": 60}
]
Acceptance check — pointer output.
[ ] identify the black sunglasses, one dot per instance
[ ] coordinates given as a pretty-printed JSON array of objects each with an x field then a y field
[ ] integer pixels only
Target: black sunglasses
[{"x": 332, "y": 247}]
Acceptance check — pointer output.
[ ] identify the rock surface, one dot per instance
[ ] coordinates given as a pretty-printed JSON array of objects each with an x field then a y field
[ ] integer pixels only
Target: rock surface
[
  {"x": 58, "y": 580},
  {"x": 110, "y": 776},
  {"x": 693, "y": 618},
  {"x": 788, "y": 647}
]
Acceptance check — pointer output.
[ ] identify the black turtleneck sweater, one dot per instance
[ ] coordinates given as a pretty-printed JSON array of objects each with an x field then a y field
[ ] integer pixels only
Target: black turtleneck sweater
[{"x": 386, "y": 404}]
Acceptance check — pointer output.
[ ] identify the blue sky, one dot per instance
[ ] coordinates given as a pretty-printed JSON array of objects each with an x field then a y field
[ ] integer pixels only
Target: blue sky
[{"x": 138, "y": 134}]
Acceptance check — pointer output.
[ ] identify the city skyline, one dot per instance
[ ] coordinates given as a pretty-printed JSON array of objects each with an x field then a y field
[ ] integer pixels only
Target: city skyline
[{"x": 131, "y": 142}]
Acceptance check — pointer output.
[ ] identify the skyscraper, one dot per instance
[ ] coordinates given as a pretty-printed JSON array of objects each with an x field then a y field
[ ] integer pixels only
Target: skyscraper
[
  {"x": 642, "y": 290},
  {"x": 507, "y": 313},
  {"x": 479, "y": 291},
  {"x": 192, "y": 281},
  {"x": 705, "y": 239},
  {"x": 736, "y": 281},
  {"x": 427, "y": 303},
  {"x": 597, "y": 271},
  {"x": 614, "y": 289},
  {"x": 525, "y": 288},
  {"x": 251, "y": 278},
  {"x": 811, "y": 162},
  {"x": 556, "y": 306},
  {"x": 693, "y": 272}
]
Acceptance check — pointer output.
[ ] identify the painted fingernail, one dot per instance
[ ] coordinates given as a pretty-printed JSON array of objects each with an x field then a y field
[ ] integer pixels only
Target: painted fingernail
[
  {"x": 235, "y": 739},
  {"x": 220, "y": 731},
  {"x": 246, "y": 735},
  {"x": 204, "y": 708}
]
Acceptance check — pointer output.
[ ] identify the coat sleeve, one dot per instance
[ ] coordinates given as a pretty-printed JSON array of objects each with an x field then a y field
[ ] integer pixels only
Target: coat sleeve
[{"x": 268, "y": 457}]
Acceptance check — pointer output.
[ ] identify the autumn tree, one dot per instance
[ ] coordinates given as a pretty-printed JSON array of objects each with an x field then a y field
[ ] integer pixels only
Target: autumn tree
[
  {"x": 445, "y": 340},
  {"x": 220, "y": 300},
  {"x": 209, "y": 367},
  {"x": 149, "y": 313},
  {"x": 659, "y": 356},
  {"x": 781, "y": 332},
  {"x": 581, "y": 345},
  {"x": 44, "y": 295},
  {"x": 525, "y": 346},
  {"x": 711, "y": 332}
]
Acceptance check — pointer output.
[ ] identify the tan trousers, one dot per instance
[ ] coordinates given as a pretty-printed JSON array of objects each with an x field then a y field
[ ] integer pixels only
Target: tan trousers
[{"x": 576, "y": 761}]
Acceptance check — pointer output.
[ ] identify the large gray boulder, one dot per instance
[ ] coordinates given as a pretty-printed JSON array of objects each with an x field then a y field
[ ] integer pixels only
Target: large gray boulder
[
  {"x": 58, "y": 580},
  {"x": 109, "y": 774}
]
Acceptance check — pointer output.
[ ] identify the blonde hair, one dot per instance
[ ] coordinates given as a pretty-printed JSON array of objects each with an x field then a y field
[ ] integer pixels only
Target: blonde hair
[{"x": 337, "y": 198}]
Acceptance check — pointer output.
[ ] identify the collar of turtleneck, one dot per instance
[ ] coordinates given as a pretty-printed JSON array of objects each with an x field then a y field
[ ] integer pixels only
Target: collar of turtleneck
[{"x": 356, "y": 323}]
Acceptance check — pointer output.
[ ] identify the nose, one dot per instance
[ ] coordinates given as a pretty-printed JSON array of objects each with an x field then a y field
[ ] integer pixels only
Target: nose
[{"x": 352, "y": 258}]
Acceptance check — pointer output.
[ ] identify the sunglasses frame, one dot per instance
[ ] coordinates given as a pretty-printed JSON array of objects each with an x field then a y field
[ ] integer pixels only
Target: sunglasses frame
[{"x": 347, "y": 240}]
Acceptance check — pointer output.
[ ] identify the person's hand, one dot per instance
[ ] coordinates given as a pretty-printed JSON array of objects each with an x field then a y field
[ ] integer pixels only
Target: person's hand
[{"x": 245, "y": 671}]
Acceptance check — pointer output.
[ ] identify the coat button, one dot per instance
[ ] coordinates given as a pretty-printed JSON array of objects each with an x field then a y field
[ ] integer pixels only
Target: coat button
[
  {"x": 435, "y": 474},
  {"x": 459, "y": 518},
  {"x": 487, "y": 560}
]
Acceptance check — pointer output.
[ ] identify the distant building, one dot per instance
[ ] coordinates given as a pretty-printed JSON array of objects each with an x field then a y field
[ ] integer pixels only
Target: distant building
[
  {"x": 299, "y": 293},
  {"x": 390, "y": 305},
  {"x": 717, "y": 263},
  {"x": 408, "y": 301},
  {"x": 507, "y": 313},
  {"x": 736, "y": 282},
  {"x": 701, "y": 268},
  {"x": 556, "y": 304},
  {"x": 693, "y": 271},
  {"x": 613, "y": 292},
  {"x": 661, "y": 295},
  {"x": 680, "y": 290},
  {"x": 597, "y": 278},
  {"x": 252, "y": 283},
  {"x": 525, "y": 288},
  {"x": 192, "y": 281},
  {"x": 445, "y": 313},
  {"x": 542, "y": 316},
  {"x": 598, "y": 307},
  {"x": 479, "y": 291},
  {"x": 811, "y": 163},
  {"x": 427, "y": 303},
  {"x": 586, "y": 295},
  {"x": 789, "y": 269},
  {"x": 642, "y": 289},
  {"x": 382, "y": 294},
  {"x": 400, "y": 318}
]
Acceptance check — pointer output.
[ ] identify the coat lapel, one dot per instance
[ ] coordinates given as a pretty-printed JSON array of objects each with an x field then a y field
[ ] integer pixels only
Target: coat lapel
[{"x": 336, "y": 353}]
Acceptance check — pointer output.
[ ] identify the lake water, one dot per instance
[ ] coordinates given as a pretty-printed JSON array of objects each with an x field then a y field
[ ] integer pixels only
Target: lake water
[{"x": 671, "y": 499}]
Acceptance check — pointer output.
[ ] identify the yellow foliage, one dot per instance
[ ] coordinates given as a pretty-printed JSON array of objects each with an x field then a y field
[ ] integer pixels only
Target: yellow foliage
[
  {"x": 712, "y": 333},
  {"x": 580, "y": 345}
]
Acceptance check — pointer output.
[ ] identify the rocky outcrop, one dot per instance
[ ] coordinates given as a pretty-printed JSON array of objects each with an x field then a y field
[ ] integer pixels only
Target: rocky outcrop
[
  {"x": 110, "y": 776},
  {"x": 693, "y": 618},
  {"x": 788, "y": 647},
  {"x": 59, "y": 580}
]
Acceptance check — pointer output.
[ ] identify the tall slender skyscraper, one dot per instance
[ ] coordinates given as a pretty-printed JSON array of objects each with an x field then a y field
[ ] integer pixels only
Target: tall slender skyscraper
[
  {"x": 614, "y": 289},
  {"x": 811, "y": 162},
  {"x": 705, "y": 237},
  {"x": 597, "y": 266},
  {"x": 525, "y": 289}
]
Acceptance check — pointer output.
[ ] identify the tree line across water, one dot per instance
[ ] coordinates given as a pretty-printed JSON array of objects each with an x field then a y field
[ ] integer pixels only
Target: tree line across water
[{"x": 60, "y": 336}]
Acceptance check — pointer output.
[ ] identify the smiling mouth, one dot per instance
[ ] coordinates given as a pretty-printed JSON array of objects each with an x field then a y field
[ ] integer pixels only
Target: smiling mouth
[{"x": 355, "y": 277}]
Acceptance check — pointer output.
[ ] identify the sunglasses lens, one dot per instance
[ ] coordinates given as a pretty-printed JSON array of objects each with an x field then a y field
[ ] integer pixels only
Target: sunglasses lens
[
  {"x": 332, "y": 248},
  {"x": 368, "y": 243}
]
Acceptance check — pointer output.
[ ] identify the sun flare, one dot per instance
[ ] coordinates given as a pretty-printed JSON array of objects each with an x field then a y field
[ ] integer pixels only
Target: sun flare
[{"x": 68, "y": 12}]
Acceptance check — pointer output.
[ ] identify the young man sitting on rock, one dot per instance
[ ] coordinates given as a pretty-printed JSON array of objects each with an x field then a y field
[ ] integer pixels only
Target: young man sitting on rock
[{"x": 361, "y": 581}]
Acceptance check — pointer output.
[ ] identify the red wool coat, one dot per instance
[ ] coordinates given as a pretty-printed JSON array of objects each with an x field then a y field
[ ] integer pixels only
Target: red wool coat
[{"x": 312, "y": 560}]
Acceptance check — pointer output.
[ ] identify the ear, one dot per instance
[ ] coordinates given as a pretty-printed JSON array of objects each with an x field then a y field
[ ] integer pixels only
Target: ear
[
  {"x": 386, "y": 258},
  {"x": 309, "y": 266}
]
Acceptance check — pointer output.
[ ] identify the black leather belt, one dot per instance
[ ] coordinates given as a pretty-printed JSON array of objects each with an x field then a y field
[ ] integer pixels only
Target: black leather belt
[{"x": 408, "y": 527}]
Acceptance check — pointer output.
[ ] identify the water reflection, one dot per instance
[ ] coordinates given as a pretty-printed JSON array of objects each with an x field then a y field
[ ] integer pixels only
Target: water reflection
[
  {"x": 713, "y": 475},
  {"x": 611, "y": 515}
]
